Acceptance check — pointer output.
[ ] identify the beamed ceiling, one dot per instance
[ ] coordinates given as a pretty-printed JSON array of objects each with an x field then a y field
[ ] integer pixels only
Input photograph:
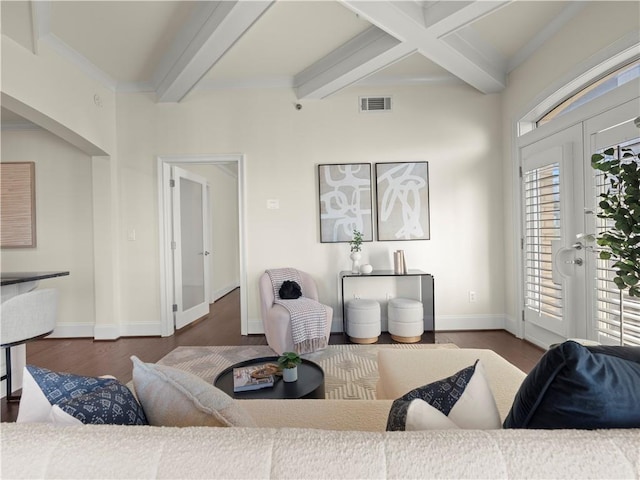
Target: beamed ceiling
[{"x": 316, "y": 48}]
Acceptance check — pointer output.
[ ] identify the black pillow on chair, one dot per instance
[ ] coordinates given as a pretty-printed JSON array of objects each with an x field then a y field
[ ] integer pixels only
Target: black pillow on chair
[{"x": 289, "y": 290}]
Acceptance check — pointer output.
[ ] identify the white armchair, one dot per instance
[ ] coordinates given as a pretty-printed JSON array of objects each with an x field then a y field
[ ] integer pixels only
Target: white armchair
[
  {"x": 26, "y": 317},
  {"x": 276, "y": 319}
]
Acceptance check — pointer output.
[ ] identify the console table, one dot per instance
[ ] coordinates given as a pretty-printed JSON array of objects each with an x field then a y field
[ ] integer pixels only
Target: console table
[{"x": 426, "y": 291}]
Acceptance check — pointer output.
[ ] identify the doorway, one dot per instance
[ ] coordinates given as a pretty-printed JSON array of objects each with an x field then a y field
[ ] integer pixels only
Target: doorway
[
  {"x": 190, "y": 170},
  {"x": 567, "y": 290}
]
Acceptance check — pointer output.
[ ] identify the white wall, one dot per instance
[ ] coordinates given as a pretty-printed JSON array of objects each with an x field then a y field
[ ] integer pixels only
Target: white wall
[
  {"x": 52, "y": 92},
  {"x": 453, "y": 127},
  {"x": 465, "y": 136},
  {"x": 564, "y": 56},
  {"x": 64, "y": 224}
]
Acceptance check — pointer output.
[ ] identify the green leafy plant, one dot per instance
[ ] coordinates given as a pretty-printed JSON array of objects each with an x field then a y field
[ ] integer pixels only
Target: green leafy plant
[
  {"x": 289, "y": 360},
  {"x": 620, "y": 204},
  {"x": 356, "y": 243}
]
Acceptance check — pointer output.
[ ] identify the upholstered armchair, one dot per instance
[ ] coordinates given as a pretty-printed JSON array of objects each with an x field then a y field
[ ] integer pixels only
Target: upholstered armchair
[
  {"x": 276, "y": 318},
  {"x": 26, "y": 317}
]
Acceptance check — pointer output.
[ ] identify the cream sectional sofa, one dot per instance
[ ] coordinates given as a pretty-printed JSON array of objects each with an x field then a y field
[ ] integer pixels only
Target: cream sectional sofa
[{"x": 328, "y": 439}]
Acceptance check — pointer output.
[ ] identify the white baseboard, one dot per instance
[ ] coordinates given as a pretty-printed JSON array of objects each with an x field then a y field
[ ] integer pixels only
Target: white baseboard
[
  {"x": 443, "y": 322},
  {"x": 255, "y": 326},
  {"x": 512, "y": 326},
  {"x": 221, "y": 292},
  {"x": 470, "y": 322},
  {"x": 73, "y": 330},
  {"x": 141, "y": 330},
  {"x": 106, "y": 332}
]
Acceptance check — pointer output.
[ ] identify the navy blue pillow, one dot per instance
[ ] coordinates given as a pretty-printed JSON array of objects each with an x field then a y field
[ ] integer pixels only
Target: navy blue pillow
[
  {"x": 574, "y": 386},
  {"x": 89, "y": 399}
]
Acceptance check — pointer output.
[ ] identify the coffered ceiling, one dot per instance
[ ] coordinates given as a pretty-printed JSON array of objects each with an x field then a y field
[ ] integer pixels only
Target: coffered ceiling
[{"x": 315, "y": 48}]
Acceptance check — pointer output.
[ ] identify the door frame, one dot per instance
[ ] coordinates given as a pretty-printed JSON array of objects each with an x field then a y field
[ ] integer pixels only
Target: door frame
[
  {"x": 164, "y": 163},
  {"x": 580, "y": 115}
]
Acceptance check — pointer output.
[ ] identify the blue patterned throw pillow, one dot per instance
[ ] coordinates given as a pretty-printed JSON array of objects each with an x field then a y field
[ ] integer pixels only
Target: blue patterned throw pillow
[
  {"x": 55, "y": 397},
  {"x": 463, "y": 400}
]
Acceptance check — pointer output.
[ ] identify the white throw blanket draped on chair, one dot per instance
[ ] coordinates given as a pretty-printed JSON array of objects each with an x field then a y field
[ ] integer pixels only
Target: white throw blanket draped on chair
[{"x": 308, "y": 317}]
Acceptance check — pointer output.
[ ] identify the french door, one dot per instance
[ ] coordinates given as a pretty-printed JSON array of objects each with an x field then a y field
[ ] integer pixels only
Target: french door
[
  {"x": 554, "y": 267},
  {"x": 189, "y": 246},
  {"x": 568, "y": 291},
  {"x": 615, "y": 315}
]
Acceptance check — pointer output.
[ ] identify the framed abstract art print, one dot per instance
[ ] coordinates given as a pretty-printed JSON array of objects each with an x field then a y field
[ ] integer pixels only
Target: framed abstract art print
[
  {"x": 402, "y": 201},
  {"x": 345, "y": 201}
]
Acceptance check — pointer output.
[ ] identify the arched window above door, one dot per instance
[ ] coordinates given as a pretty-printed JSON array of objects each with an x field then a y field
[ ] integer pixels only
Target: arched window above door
[
  {"x": 597, "y": 88},
  {"x": 604, "y": 72},
  {"x": 615, "y": 79}
]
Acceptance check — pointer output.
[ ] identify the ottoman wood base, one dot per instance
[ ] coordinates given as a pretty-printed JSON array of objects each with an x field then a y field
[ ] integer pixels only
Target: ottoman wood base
[
  {"x": 406, "y": 339},
  {"x": 363, "y": 340}
]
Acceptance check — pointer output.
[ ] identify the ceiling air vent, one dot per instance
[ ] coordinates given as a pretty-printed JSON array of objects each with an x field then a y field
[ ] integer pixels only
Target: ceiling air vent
[{"x": 375, "y": 104}]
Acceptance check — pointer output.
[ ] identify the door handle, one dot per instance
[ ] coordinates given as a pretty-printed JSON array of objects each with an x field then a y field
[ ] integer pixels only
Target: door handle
[{"x": 577, "y": 261}]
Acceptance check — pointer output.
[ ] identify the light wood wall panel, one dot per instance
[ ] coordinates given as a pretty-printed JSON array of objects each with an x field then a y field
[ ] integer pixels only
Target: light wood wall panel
[{"x": 17, "y": 205}]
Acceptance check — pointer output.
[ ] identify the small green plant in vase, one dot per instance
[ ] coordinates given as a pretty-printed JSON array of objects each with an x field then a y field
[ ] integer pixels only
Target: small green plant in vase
[
  {"x": 356, "y": 243},
  {"x": 289, "y": 362},
  {"x": 356, "y": 246}
]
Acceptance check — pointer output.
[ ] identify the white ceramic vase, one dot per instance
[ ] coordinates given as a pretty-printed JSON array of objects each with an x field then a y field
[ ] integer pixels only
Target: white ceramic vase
[
  {"x": 366, "y": 269},
  {"x": 355, "y": 259},
  {"x": 290, "y": 374}
]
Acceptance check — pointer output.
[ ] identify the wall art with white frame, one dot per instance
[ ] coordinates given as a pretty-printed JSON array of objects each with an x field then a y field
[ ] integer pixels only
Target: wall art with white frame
[
  {"x": 345, "y": 201},
  {"x": 402, "y": 197}
]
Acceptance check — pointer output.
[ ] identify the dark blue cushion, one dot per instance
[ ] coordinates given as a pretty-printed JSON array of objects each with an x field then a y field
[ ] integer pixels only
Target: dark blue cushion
[
  {"x": 574, "y": 386},
  {"x": 89, "y": 399}
]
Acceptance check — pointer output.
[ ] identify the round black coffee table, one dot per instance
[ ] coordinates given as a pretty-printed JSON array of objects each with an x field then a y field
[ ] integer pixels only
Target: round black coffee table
[{"x": 310, "y": 383}]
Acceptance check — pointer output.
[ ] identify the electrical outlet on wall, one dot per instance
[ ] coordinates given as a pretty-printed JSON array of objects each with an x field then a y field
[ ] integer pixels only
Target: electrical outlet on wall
[
  {"x": 472, "y": 296},
  {"x": 389, "y": 296},
  {"x": 356, "y": 296}
]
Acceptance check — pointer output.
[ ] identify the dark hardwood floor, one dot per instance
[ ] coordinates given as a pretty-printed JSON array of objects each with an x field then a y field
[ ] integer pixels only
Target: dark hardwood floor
[{"x": 85, "y": 356}]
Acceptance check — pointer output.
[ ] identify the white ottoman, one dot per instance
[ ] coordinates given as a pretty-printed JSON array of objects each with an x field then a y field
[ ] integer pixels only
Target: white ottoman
[
  {"x": 363, "y": 320},
  {"x": 406, "y": 323}
]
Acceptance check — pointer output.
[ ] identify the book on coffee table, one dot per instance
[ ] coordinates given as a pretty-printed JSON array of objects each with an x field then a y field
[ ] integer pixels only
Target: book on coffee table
[{"x": 243, "y": 380}]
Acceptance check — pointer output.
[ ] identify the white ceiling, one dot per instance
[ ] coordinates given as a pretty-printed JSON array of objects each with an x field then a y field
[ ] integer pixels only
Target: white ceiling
[{"x": 314, "y": 47}]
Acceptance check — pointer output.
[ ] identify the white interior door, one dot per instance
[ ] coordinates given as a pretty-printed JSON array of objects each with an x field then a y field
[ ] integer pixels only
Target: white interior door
[
  {"x": 190, "y": 246},
  {"x": 609, "y": 322},
  {"x": 554, "y": 268}
]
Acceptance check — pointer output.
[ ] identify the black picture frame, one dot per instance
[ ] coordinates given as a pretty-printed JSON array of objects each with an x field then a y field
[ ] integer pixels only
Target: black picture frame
[
  {"x": 345, "y": 201},
  {"x": 402, "y": 201}
]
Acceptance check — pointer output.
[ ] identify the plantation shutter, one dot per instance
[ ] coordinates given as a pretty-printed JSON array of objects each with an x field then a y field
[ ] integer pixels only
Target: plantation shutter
[
  {"x": 612, "y": 321},
  {"x": 542, "y": 229}
]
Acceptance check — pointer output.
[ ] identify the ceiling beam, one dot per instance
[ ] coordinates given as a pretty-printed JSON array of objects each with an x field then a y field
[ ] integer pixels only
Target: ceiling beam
[
  {"x": 217, "y": 27},
  {"x": 355, "y": 60},
  {"x": 436, "y": 33},
  {"x": 40, "y": 21}
]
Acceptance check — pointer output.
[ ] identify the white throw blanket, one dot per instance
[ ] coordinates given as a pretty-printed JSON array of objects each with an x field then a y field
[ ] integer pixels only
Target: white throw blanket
[{"x": 308, "y": 317}]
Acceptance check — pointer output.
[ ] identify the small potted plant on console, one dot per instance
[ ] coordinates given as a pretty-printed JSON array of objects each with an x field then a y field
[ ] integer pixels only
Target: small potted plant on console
[{"x": 289, "y": 362}]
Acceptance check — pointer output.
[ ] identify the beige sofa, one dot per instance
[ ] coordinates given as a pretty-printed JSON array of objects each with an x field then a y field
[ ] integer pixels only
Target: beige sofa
[{"x": 327, "y": 439}]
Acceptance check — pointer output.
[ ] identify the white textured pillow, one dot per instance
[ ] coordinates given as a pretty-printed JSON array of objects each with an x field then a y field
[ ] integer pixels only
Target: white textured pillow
[
  {"x": 463, "y": 400},
  {"x": 175, "y": 398}
]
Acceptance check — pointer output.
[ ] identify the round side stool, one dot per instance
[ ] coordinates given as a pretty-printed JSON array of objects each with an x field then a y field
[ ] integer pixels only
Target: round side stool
[
  {"x": 363, "y": 320},
  {"x": 406, "y": 323}
]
